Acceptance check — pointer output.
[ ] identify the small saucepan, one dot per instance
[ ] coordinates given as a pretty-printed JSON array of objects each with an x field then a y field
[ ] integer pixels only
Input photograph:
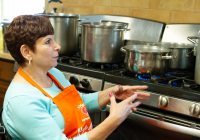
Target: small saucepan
[{"x": 146, "y": 59}]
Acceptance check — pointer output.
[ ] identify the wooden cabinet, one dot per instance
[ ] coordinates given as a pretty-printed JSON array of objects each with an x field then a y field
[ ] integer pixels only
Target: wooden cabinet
[{"x": 6, "y": 75}]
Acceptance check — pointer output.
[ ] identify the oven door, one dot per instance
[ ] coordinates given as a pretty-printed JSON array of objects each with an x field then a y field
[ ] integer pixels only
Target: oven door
[{"x": 141, "y": 125}]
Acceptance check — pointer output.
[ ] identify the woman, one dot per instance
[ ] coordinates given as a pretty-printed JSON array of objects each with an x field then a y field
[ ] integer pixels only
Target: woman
[{"x": 41, "y": 104}]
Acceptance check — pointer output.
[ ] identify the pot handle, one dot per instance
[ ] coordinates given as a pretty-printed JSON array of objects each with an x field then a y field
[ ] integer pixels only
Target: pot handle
[
  {"x": 122, "y": 50},
  {"x": 166, "y": 57},
  {"x": 193, "y": 39},
  {"x": 122, "y": 29},
  {"x": 45, "y": 10}
]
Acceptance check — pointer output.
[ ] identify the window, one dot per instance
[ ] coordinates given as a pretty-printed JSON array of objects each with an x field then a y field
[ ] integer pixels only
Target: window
[{"x": 12, "y": 8}]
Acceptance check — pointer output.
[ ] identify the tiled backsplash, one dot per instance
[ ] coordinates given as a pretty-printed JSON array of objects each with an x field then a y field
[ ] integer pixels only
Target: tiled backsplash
[{"x": 168, "y": 11}]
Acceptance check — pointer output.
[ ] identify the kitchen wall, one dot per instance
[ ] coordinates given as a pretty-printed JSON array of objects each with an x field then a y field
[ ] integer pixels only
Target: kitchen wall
[{"x": 168, "y": 11}]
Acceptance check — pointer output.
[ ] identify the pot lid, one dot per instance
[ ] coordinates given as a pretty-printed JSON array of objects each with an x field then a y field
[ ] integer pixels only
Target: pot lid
[
  {"x": 136, "y": 42},
  {"x": 5, "y": 21},
  {"x": 57, "y": 15},
  {"x": 106, "y": 24},
  {"x": 172, "y": 45},
  {"x": 146, "y": 48}
]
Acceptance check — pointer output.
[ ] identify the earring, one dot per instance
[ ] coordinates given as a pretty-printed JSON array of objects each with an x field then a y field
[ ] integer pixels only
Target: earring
[{"x": 29, "y": 63}]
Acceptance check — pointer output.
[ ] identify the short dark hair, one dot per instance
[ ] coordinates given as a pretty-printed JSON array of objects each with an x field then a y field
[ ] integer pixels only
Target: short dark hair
[{"x": 25, "y": 30}]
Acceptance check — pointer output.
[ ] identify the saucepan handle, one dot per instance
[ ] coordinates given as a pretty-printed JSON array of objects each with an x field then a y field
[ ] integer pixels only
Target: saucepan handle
[
  {"x": 122, "y": 50},
  {"x": 166, "y": 57},
  {"x": 194, "y": 40}
]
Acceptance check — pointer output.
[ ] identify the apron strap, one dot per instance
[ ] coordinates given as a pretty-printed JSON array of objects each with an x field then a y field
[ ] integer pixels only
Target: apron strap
[
  {"x": 56, "y": 81},
  {"x": 25, "y": 76}
]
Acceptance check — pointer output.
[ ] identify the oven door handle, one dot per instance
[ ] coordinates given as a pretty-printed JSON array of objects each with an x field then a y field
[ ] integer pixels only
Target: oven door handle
[{"x": 162, "y": 124}]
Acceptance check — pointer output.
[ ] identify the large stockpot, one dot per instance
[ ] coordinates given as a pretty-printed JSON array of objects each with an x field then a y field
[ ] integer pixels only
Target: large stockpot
[
  {"x": 101, "y": 41},
  {"x": 196, "y": 41},
  {"x": 66, "y": 31},
  {"x": 181, "y": 54},
  {"x": 146, "y": 59}
]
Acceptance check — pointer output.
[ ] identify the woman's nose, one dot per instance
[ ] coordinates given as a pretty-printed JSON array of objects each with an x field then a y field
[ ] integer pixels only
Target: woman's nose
[{"x": 57, "y": 46}]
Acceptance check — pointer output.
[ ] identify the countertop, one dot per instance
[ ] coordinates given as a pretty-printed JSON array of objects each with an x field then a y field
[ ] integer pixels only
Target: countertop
[{"x": 6, "y": 55}]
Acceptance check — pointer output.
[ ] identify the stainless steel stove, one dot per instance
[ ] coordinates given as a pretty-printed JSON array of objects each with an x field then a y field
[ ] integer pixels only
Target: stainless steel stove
[
  {"x": 171, "y": 112},
  {"x": 173, "y": 104}
]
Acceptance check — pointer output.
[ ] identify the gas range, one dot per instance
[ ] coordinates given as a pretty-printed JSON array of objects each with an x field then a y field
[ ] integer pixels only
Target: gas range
[
  {"x": 174, "y": 101},
  {"x": 173, "y": 109}
]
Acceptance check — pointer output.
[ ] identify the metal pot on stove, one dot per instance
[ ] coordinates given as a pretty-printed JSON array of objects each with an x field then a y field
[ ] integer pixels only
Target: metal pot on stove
[
  {"x": 143, "y": 59},
  {"x": 65, "y": 29},
  {"x": 101, "y": 41},
  {"x": 181, "y": 54}
]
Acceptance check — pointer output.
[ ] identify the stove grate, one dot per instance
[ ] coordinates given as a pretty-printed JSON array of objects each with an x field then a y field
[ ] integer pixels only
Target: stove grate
[{"x": 174, "y": 78}]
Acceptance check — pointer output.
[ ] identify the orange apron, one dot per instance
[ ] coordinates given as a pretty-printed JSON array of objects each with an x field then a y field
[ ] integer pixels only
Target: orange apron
[{"x": 70, "y": 104}]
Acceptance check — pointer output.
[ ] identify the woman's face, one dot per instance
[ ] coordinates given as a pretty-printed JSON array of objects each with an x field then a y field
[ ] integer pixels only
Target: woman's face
[{"x": 46, "y": 53}]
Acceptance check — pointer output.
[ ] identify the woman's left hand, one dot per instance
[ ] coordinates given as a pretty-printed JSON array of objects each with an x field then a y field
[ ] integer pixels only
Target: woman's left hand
[{"x": 123, "y": 92}]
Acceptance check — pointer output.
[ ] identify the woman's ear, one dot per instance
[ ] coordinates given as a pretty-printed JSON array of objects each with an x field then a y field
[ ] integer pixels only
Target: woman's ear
[{"x": 26, "y": 52}]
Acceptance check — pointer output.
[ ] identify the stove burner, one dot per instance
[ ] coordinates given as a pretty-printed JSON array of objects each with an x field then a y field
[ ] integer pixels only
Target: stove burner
[
  {"x": 145, "y": 77},
  {"x": 180, "y": 73},
  {"x": 75, "y": 61},
  {"x": 101, "y": 66},
  {"x": 175, "y": 83},
  {"x": 173, "y": 78},
  {"x": 156, "y": 76}
]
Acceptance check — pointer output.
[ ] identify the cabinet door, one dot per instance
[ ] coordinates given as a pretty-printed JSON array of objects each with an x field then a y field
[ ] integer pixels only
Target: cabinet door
[{"x": 6, "y": 75}]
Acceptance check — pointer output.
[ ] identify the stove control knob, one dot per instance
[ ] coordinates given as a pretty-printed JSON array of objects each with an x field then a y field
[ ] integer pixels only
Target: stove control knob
[
  {"x": 163, "y": 101},
  {"x": 194, "y": 109},
  {"x": 74, "y": 80},
  {"x": 85, "y": 83}
]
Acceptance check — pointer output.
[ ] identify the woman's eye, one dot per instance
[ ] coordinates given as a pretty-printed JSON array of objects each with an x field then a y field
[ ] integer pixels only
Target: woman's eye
[{"x": 48, "y": 42}]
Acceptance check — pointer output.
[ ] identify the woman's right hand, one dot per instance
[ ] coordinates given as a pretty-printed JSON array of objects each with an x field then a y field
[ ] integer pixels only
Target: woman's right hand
[{"x": 120, "y": 111}]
